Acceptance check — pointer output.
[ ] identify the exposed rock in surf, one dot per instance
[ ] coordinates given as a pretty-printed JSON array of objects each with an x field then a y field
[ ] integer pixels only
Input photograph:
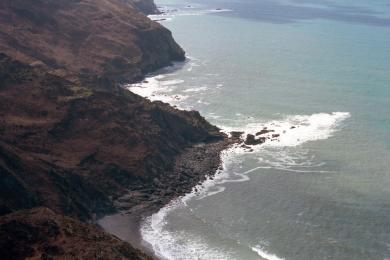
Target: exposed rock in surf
[
  {"x": 236, "y": 134},
  {"x": 264, "y": 131},
  {"x": 251, "y": 140}
]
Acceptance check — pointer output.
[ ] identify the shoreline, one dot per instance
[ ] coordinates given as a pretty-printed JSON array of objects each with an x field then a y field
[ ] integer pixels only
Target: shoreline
[
  {"x": 126, "y": 226},
  {"x": 193, "y": 165}
]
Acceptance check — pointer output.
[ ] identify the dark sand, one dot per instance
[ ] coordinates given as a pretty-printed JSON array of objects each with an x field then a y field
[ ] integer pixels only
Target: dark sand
[{"x": 127, "y": 227}]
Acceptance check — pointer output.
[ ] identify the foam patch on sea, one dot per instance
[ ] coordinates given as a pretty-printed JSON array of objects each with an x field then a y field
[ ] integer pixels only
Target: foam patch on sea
[
  {"x": 167, "y": 14},
  {"x": 166, "y": 88},
  {"x": 295, "y": 129},
  {"x": 264, "y": 254},
  {"x": 176, "y": 245}
]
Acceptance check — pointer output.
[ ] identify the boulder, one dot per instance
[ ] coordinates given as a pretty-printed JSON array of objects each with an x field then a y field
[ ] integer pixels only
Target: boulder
[
  {"x": 236, "y": 134},
  {"x": 251, "y": 140},
  {"x": 264, "y": 131}
]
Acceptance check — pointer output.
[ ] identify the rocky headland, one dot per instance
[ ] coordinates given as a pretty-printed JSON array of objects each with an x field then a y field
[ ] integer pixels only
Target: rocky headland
[
  {"x": 86, "y": 40},
  {"x": 76, "y": 146},
  {"x": 71, "y": 139}
]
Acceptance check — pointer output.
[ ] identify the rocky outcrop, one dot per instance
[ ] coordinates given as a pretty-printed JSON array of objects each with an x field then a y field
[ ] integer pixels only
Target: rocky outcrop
[
  {"x": 74, "y": 141},
  {"x": 89, "y": 39},
  {"x": 84, "y": 146},
  {"x": 41, "y": 234},
  {"x": 264, "y": 131},
  {"x": 144, "y": 6},
  {"x": 252, "y": 140},
  {"x": 76, "y": 149}
]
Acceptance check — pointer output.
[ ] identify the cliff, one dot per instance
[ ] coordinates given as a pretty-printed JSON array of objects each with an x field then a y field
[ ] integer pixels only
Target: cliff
[
  {"x": 41, "y": 234},
  {"x": 74, "y": 141},
  {"x": 105, "y": 39},
  {"x": 83, "y": 146}
]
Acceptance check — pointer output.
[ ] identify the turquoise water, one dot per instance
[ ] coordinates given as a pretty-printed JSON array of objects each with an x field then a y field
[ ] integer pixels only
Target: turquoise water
[{"x": 322, "y": 189}]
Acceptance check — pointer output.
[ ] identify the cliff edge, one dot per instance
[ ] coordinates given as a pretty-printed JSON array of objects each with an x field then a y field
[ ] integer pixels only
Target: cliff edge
[
  {"x": 84, "y": 147},
  {"x": 71, "y": 139},
  {"x": 41, "y": 234},
  {"x": 85, "y": 38}
]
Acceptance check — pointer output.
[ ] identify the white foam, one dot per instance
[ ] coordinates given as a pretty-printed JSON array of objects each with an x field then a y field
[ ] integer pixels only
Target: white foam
[
  {"x": 181, "y": 245},
  {"x": 285, "y": 169},
  {"x": 210, "y": 186},
  {"x": 177, "y": 245},
  {"x": 220, "y": 10},
  {"x": 171, "y": 82},
  {"x": 169, "y": 14},
  {"x": 295, "y": 130},
  {"x": 264, "y": 254},
  {"x": 156, "y": 88},
  {"x": 200, "y": 101},
  {"x": 196, "y": 89}
]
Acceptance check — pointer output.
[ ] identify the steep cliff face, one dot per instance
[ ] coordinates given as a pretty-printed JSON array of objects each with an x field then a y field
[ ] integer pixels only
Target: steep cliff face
[
  {"x": 84, "y": 146},
  {"x": 42, "y": 234},
  {"x": 71, "y": 139},
  {"x": 88, "y": 38}
]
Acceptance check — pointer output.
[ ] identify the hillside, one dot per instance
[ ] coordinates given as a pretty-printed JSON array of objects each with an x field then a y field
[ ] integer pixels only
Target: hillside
[
  {"x": 83, "y": 146},
  {"x": 88, "y": 38},
  {"x": 41, "y": 234},
  {"x": 71, "y": 139}
]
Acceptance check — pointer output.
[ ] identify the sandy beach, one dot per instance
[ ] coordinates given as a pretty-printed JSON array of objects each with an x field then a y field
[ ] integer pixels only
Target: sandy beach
[{"x": 126, "y": 226}]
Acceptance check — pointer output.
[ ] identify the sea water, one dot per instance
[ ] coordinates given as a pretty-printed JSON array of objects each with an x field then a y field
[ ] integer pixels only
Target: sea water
[{"x": 317, "y": 72}]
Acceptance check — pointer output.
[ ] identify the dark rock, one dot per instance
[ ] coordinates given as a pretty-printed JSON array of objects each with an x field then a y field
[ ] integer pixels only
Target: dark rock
[
  {"x": 144, "y": 6},
  {"x": 236, "y": 134},
  {"x": 251, "y": 140},
  {"x": 264, "y": 131}
]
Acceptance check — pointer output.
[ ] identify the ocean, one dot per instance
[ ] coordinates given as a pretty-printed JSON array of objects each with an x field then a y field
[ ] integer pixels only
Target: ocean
[{"x": 317, "y": 72}]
